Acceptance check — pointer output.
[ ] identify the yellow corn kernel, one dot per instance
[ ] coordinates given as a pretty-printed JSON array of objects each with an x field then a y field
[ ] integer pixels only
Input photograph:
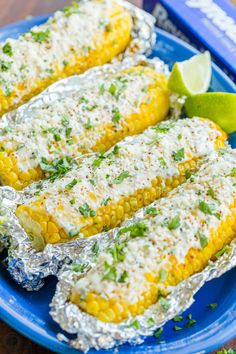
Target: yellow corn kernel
[
  {"x": 108, "y": 134},
  {"x": 195, "y": 261},
  {"x": 105, "y": 46}
]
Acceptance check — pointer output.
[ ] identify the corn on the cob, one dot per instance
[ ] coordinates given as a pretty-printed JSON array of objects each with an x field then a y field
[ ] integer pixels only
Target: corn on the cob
[
  {"x": 87, "y": 34},
  {"x": 188, "y": 227},
  {"x": 106, "y": 189},
  {"x": 92, "y": 119}
]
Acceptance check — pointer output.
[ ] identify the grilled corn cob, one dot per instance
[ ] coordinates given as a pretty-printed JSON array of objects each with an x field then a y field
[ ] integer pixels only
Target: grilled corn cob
[
  {"x": 110, "y": 187},
  {"x": 81, "y": 36},
  {"x": 186, "y": 230},
  {"x": 92, "y": 119}
]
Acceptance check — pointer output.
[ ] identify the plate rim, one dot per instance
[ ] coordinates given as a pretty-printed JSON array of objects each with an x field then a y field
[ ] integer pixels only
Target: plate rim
[{"x": 207, "y": 343}]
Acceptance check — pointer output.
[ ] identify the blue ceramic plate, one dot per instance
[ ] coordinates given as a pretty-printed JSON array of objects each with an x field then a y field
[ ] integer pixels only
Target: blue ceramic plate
[{"x": 28, "y": 313}]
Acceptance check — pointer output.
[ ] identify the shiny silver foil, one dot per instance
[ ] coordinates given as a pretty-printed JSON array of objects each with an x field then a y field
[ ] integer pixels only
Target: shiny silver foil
[
  {"x": 143, "y": 34},
  {"x": 27, "y": 266},
  {"x": 92, "y": 333}
]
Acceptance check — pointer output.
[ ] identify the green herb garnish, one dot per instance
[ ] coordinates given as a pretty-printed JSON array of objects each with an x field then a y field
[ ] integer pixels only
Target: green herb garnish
[
  {"x": 7, "y": 49},
  {"x": 158, "y": 332},
  {"x": 174, "y": 223},
  {"x": 178, "y": 155},
  {"x": 86, "y": 211},
  {"x": 40, "y": 37},
  {"x": 110, "y": 272},
  {"x": 135, "y": 230},
  {"x": 123, "y": 277},
  {"x": 72, "y": 184},
  {"x": 122, "y": 176}
]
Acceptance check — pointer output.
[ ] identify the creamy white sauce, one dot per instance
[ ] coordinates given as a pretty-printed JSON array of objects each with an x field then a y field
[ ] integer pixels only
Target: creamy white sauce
[
  {"x": 82, "y": 114},
  {"x": 150, "y": 253},
  {"x": 33, "y": 60},
  {"x": 140, "y": 159}
]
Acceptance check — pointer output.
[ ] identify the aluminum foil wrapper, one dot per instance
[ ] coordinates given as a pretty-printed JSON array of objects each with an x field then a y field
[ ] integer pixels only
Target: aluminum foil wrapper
[
  {"x": 92, "y": 333},
  {"x": 27, "y": 266},
  {"x": 143, "y": 36}
]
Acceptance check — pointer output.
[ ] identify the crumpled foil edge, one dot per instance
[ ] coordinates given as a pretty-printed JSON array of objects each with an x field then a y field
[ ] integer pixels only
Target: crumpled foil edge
[
  {"x": 27, "y": 266},
  {"x": 92, "y": 333},
  {"x": 143, "y": 36}
]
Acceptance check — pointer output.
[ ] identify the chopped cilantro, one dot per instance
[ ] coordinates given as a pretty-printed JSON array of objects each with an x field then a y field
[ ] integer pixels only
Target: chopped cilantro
[
  {"x": 134, "y": 324},
  {"x": 118, "y": 252},
  {"x": 136, "y": 230},
  {"x": 73, "y": 233},
  {"x": 162, "y": 162},
  {"x": 213, "y": 306},
  {"x": 105, "y": 201},
  {"x": 164, "y": 303},
  {"x": 7, "y": 49},
  {"x": 57, "y": 137},
  {"x": 95, "y": 248},
  {"x": 222, "y": 251},
  {"x": 97, "y": 162},
  {"x": 205, "y": 208},
  {"x": 57, "y": 168},
  {"x": 179, "y": 137},
  {"x": 122, "y": 176},
  {"x": 72, "y": 184},
  {"x": 177, "y": 328},
  {"x": 158, "y": 332},
  {"x": 101, "y": 89},
  {"x": 5, "y": 65},
  {"x": 163, "y": 275},
  {"x": 151, "y": 211},
  {"x": 188, "y": 174},
  {"x": 72, "y": 201},
  {"x": 112, "y": 89},
  {"x": 178, "y": 155},
  {"x": 150, "y": 321},
  {"x": 123, "y": 277},
  {"x": 203, "y": 240},
  {"x": 73, "y": 9},
  {"x": 65, "y": 62},
  {"x": 233, "y": 172},
  {"x": 2, "y": 149},
  {"x": 174, "y": 223},
  {"x": 163, "y": 127},
  {"x": 116, "y": 116},
  {"x": 68, "y": 132},
  {"x": 83, "y": 100},
  {"x": 65, "y": 121},
  {"x": 190, "y": 323},
  {"x": 211, "y": 193},
  {"x": 116, "y": 149},
  {"x": 40, "y": 37},
  {"x": 88, "y": 125},
  {"x": 177, "y": 318},
  {"x": 110, "y": 272},
  {"x": 78, "y": 267},
  {"x": 85, "y": 210}
]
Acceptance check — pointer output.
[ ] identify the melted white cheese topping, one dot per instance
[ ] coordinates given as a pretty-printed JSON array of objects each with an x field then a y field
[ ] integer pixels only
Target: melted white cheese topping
[
  {"x": 34, "y": 54},
  {"x": 74, "y": 123},
  {"x": 200, "y": 205},
  {"x": 107, "y": 178}
]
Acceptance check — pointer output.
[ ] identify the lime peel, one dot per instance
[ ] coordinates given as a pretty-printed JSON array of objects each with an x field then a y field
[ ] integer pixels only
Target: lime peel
[
  {"x": 220, "y": 107},
  {"x": 191, "y": 76}
]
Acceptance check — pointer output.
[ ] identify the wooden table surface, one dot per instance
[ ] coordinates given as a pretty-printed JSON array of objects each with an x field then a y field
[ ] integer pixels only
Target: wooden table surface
[{"x": 10, "y": 11}]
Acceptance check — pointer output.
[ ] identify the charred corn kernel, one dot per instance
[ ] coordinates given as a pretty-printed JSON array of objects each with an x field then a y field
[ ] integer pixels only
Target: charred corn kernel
[
  {"x": 122, "y": 180},
  {"x": 91, "y": 119},
  {"x": 92, "y": 33},
  {"x": 152, "y": 254}
]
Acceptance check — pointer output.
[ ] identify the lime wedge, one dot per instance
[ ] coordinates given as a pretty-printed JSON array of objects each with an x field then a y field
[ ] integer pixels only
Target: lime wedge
[
  {"x": 217, "y": 106},
  {"x": 191, "y": 76}
]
